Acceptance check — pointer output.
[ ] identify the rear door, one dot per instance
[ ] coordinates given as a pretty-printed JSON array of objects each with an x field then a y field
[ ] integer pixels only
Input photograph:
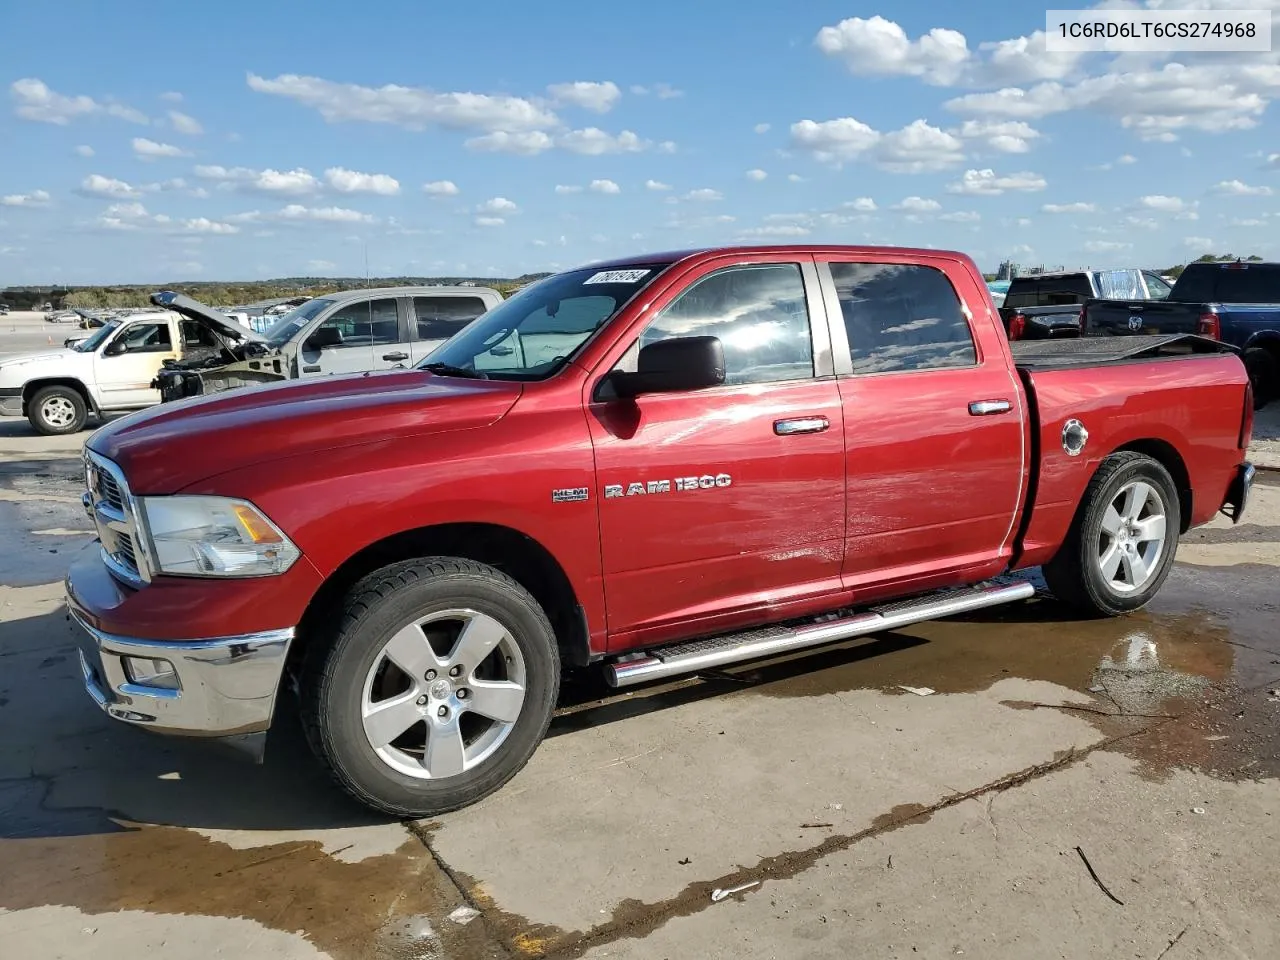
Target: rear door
[
  {"x": 127, "y": 363},
  {"x": 436, "y": 319},
  {"x": 373, "y": 336},
  {"x": 724, "y": 502},
  {"x": 933, "y": 422}
]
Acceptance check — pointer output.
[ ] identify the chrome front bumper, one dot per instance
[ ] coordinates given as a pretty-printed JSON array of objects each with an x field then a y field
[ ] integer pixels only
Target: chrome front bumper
[{"x": 221, "y": 687}]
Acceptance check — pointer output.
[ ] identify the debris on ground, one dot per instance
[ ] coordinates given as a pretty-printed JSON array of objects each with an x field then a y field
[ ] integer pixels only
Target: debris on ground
[
  {"x": 1199, "y": 810},
  {"x": 717, "y": 894},
  {"x": 815, "y": 826},
  {"x": 918, "y": 691},
  {"x": 464, "y": 915},
  {"x": 685, "y": 862},
  {"x": 1096, "y": 879}
]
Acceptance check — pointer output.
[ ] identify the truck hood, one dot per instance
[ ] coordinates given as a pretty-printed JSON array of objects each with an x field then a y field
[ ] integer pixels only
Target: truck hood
[
  {"x": 171, "y": 446},
  {"x": 18, "y": 369},
  {"x": 36, "y": 356},
  {"x": 196, "y": 311}
]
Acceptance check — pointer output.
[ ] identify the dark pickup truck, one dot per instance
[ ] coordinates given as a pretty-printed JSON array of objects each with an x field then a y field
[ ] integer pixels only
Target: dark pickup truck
[
  {"x": 1236, "y": 302},
  {"x": 1045, "y": 306}
]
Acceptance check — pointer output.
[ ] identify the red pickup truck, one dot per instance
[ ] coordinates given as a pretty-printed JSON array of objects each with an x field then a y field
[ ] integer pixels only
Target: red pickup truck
[{"x": 651, "y": 467}]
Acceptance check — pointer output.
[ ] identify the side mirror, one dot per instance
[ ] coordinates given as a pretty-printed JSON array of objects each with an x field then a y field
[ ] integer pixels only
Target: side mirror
[
  {"x": 673, "y": 366},
  {"x": 114, "y": 348},
  {"x": 324, "y": 337}
]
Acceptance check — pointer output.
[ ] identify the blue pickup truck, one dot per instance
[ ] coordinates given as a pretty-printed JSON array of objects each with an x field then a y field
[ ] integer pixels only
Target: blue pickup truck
[{"x": 1237, "y": 302}]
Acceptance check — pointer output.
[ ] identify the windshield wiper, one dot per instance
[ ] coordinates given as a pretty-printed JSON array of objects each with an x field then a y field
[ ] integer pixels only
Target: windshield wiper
[{"x": 449, "y": 370}]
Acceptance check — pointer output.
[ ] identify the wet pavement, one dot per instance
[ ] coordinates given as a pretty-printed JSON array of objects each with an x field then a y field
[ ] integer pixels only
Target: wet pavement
[{"x": 1068, "y": 788}]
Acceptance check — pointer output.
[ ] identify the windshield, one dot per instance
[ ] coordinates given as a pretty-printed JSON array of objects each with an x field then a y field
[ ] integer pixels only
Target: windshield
[
  {"x": 282, "y": 331},
  {"x": 530, "y": 335},
  {"x": 90, "y": 344}
]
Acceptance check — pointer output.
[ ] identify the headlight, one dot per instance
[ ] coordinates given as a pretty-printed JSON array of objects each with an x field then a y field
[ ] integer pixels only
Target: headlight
[{"x": 214, "y": 537}]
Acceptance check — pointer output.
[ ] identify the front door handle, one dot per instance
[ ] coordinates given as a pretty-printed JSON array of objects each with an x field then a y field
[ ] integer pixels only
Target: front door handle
[
  {"x": 787, "y": 428},
  {"x": 311, "y": 368},
  {"x": 985, "y": 408},
  {"x": 395, "y": 356}
]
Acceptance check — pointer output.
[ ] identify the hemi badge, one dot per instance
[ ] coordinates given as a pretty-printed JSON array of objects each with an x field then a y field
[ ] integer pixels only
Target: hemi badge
[{"x": 569, "y": 495}]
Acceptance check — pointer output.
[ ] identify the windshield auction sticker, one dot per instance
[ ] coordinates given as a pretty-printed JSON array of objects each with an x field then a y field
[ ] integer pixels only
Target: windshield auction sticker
[
  {"x": 617, "y": 276},
  {"x": 1157, "y": 31}
]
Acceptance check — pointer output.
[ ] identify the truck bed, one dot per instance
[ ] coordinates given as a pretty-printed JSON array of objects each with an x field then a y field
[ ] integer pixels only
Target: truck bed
[{"x": 1074, "y": 353}]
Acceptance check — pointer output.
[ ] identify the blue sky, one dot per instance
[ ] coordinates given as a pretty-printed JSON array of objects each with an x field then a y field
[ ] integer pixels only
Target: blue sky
[{"x": 150, "y": 143}]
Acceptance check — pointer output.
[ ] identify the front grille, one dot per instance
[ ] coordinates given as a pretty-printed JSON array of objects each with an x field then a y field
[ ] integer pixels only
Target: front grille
[{"x": 112, "y": 509}]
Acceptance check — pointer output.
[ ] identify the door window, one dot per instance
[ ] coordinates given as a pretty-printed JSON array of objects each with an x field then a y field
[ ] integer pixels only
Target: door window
[
  {"x": 366, "y": 323},
  {"x": 757, "y": 312},
  {"x": 439, "y": 318},
  {"x": 902, "y": 317},
  {"x": 144, "y": 338}
]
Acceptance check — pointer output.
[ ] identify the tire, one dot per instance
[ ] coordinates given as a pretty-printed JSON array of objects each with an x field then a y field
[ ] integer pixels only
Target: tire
[
  {"x": 54, "y": 411},
  {"x": 1264, "y": 375},
  {"x": 354, "y": 694},
  {"x": 1076, "y": 575}
]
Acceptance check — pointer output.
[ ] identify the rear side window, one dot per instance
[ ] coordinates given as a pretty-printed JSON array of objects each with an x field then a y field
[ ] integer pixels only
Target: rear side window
[
  {"x": 1023, "y": 293},
  {"x": 1212, "y": 282},
  {"x": 902, "y": 317},
  {"x": 439, "y": 318}
]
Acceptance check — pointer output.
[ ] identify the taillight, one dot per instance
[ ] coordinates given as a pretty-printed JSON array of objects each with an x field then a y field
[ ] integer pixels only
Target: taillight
[
  {"x": 1017, "y": 326},
  {"x": 1246, "y": 422},
  {"x": 1209, "y": 325}
]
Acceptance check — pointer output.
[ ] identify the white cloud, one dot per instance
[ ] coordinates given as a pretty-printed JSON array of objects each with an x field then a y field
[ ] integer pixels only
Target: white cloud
[
  {"x": 656, "y": 185},
  {"x": 1126, "y": 158},
  {"x": 879, "y": 47},
  {"x": 414, "y": 108},
  {"x": 145, "y": 149},
  {"x": 497, "y": 205},
  {"x": 295, "y": 182},
  {"x": 756, "y": 175},
  {"x": 703, "y": 194},
  {"x": 36, "y": 198},
  {"x": 598, "y": 97},
  {"x": 85, "y": 150},
  {"x": 961, "y": 216},
  {"x": 489, "y": 221},
  {"x": 96, "y": 185},
  {"x": 761, "y": 128},
  {"x": 1238, "y": 188},
  {"x": 185, "y": 124},
  {"x": 604, "y": 186},
  {"x": 1247, "y": 222},
  {"x": 440, "y": 188},
  {"x": 296, "y": 211},
  {"x": 987, "y": 183},
  {"x": 33, "y": 100},
  {"x": 525, "y": 143},
  {"x": 351, "y": 181},
  {"x": 1003, "y": 136},
  {"x": 1077, "y": 207},
  {"x": 1198, "y": 243},
  {"x": 862, "y": 205},
  {"x": 172, "y": 96},
  {"x": 1107, "y": 246},
  {"x": 1023, "y": 60},
  {"x": 667, "y": 146},
  {"x": 595, "y": 142},
  {"x": 917, "y": 148},
  {"x": 134, "y": 216},
  {"x": 663, "y": 91},
  {"x": 777, "y": 230},
  {"x": 918, "y": 205},
  {"x": 568, "y": 188},
  {"x": 795, "y": 178},
  {"x": 1162, "y": 203}
]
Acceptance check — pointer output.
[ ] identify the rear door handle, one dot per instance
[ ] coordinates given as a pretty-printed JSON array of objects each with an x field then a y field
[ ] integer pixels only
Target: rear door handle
[
  {"x": 395, "y": 356},
  {"x": 787, "y": 428},
  {"x": 985, "y": 408}
]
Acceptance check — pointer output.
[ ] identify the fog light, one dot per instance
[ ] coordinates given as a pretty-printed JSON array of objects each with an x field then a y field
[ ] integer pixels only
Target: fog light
[{"x": 151, "y": 673}]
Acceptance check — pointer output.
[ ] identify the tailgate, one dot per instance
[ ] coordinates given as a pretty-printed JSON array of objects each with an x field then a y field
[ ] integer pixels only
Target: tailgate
[{"x": 1132, "y": 317}]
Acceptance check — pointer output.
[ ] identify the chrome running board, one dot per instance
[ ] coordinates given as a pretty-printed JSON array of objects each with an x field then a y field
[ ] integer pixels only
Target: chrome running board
[{"x": 771, "y": 641}]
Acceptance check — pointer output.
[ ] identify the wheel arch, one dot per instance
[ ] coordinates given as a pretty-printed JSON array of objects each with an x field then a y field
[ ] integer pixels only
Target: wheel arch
[
  {"x": 1166, "y": 454},
  {"x": 32, "y": 387},
  {"x": 516, "y": 554}
]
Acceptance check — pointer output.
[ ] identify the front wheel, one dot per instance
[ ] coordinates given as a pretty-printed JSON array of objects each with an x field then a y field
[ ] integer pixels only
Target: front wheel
[
  {"x": 1121, "y": 545},
  {"x": 54, "y": 411},
  {"x": 434, "y": 689}
]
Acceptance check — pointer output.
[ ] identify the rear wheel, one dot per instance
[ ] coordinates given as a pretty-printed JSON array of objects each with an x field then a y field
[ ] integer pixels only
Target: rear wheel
[
  {"x": 1264, "y": 375},
  {"x": 57, "y": 410},
  {"x": 1122, "y": 542},
  {"x": 434, "y": 689}
]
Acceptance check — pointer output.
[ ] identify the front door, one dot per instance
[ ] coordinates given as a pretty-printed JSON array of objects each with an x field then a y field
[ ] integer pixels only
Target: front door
[
  {"x": 723, "y": 503},
  {"x": 127, "y": 363},
  {"x": 436, "y": 319},
  {"x": 933, "y": 423},
  {"x": 362, "y": 335}
]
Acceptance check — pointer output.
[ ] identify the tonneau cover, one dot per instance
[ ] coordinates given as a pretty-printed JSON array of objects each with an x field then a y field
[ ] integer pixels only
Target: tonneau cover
[{"x": 1096, "y": 351}]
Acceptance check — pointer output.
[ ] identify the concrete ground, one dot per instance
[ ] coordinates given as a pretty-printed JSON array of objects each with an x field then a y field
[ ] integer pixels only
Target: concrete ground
[{"x": 1070, "y": 789}]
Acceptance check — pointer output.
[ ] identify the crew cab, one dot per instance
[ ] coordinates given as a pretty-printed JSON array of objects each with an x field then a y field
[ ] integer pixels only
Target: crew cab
[
  {"x": 647, "y": 467},
  {"x": 1236, "y": 301},
  {"x": 1045, "y": 305},
  {"x": 109, "y": 371}
]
